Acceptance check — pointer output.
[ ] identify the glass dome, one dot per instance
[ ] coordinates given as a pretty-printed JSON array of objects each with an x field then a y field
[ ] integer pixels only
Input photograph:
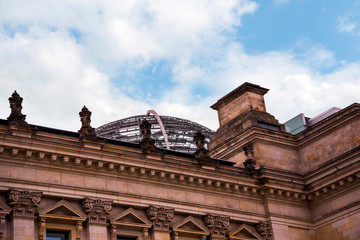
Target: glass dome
[{"x": 168, "y": 132}]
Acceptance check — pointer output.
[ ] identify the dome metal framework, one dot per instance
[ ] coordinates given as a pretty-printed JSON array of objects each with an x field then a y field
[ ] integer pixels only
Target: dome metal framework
[{"x": 171, "y": 133}]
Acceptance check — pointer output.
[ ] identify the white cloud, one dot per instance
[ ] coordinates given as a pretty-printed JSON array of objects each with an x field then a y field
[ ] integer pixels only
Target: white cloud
[
  {"x": 57, "y": 73},
  {"x": 55, "y": 82},
  {"x": 345, "y": 24},
  {"x": 294, "y": 85}
]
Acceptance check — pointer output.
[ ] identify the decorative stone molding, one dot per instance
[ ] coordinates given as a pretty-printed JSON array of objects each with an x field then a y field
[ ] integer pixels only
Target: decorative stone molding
[
  {"x": 4, "y": 210},
  {"x": 189, "y": 227},
  {"x": 218, "y": 225},
  {"x": 97, "y": 209},
  {"x": 42, "y": 229},
  {"x": 76, "y": 214},
  {"x": 78, "y": 230},
  {"x": 24, "y": 202},
  {"x": 264, "y": 229},
  {"x": 161, "y": 217},
  {"x": 86, "y": 131},
  {"x": 264, "y": 188},
  {"x": 244, "y": 231},
  {"x": 16, "y": 118},
  {"x": 147, "y": 144},
  {"x": 132, "y": 220},
  {"x": 250, "y": 163}
]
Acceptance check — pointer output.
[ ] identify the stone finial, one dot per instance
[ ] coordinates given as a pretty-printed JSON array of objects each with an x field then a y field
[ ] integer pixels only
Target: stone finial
[
  {"x": 86, "y": 131},
  {"x": 147, "y": 143},
  {"x": 97, "y": 209},
  {"x": 16, "y": 117},
  {"x": 218, "y": 225},
  {"x": 161, "y": 217},
  {"x": 199, "y": 140},
  {"x": 23, "y": 202},
  {"x": 264, "y": 229}
]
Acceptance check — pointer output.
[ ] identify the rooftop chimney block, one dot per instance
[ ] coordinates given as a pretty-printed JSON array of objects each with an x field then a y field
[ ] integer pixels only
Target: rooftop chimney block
[
  {"x": 246, "y": 97},
  {"x": 242, "y": 109}
]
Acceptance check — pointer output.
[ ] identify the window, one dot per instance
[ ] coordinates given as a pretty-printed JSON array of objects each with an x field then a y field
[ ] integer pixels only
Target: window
[
  {"x": 125, "y": 238},
  {"x": 55, "y": 235}
]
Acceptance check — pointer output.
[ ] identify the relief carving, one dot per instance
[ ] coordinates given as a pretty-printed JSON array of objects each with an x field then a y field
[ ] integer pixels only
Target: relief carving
[
  {"x": 264, "y": 229},
  {"x": 161, "y": 217},
  {"x": 16, "y": 118},
  {"x": 42, "y": 229},
  {"x": 250, "y": 163},
  {"x": 97, "y": 209},
  {"x": 218, "y": 225},
  {"x": 78, "y": 229},
  {"x": 23, "y": 202}
]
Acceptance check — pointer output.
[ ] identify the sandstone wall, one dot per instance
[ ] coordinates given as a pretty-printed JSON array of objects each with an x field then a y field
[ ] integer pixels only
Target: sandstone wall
[{"x": 333, "y": 143}]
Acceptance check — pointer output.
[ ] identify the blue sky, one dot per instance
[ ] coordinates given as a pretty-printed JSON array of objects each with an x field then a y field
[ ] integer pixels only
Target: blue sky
[
  {"x": 294, "y": 25},
  {"x": 121, "y": 58}
]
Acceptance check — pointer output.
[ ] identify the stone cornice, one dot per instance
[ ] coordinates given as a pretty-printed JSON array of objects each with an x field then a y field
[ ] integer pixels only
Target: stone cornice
[
  {"x": 251, "y": 188},
  {"x": 178, "y": 171},
  {"x": 243, "y": 88},
  {"x": 332, "y": 122},
  {"x": 255, "y": 133}
]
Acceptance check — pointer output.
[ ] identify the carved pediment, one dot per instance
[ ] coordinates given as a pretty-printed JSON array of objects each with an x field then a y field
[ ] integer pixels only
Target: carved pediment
[
  {"x": 4, "y": 209},
  {"x": 191, "y": 226},
  {"x": 245, "y": 232},
  {"x": 130, "y": 218},
  {"x": 62, "y": 209}
]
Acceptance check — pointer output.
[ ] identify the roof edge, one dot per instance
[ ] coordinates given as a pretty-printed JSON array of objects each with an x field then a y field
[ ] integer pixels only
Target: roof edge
[{"x": 243, "y": 88}]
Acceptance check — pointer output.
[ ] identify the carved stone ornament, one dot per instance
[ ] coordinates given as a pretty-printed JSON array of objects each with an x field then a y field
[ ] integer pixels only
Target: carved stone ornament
[
  {"x": 147, "y": 144},
  {"x": 250, "y": 163},
  {"x": 16, "y": 118},
  {"x": 42, "y": 229},
  {"x": 161, "y": 217},
  {"x": 86, "y": 131},
  {"x": 218, "y": 225},
  {"x": 23, "y": 202},
  {"x": 264, "y": 229},
  {"x": 97, "y": 209},
  {"x": 199, "y": 140}
]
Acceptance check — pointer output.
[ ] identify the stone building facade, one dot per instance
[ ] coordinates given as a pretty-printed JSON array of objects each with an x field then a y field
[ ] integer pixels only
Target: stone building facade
[{"x": 256, "y": 181}]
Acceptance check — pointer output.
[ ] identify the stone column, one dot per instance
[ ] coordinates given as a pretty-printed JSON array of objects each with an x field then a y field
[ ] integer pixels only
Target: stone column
[
  {"x": 218, "y": 226},
  {"x": 23, "y": 204},
  {"x": 161, "y": 218},
  {"x": 97, "y": 210}
]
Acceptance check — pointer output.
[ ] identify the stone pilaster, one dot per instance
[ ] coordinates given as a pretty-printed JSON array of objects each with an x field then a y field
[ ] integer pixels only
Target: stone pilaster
[
  {"x": 98, "y": 211},
  {"x": 23, "y": 204},
  {"x": 161, "y": 218},
  {"x": 218, "y": 226},
  {"x": 4, "y": 211}
]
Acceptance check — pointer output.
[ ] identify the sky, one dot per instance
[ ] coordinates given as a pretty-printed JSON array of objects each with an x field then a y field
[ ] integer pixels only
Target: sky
[{"x": 121, "y": 58}]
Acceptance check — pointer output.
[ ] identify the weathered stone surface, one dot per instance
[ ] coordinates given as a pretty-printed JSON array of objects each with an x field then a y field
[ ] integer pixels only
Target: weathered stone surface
[
  {"x": 309, "y": 187},
  {"x": 23, "y": 203},
  {"x": 97, "y": 210}
]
